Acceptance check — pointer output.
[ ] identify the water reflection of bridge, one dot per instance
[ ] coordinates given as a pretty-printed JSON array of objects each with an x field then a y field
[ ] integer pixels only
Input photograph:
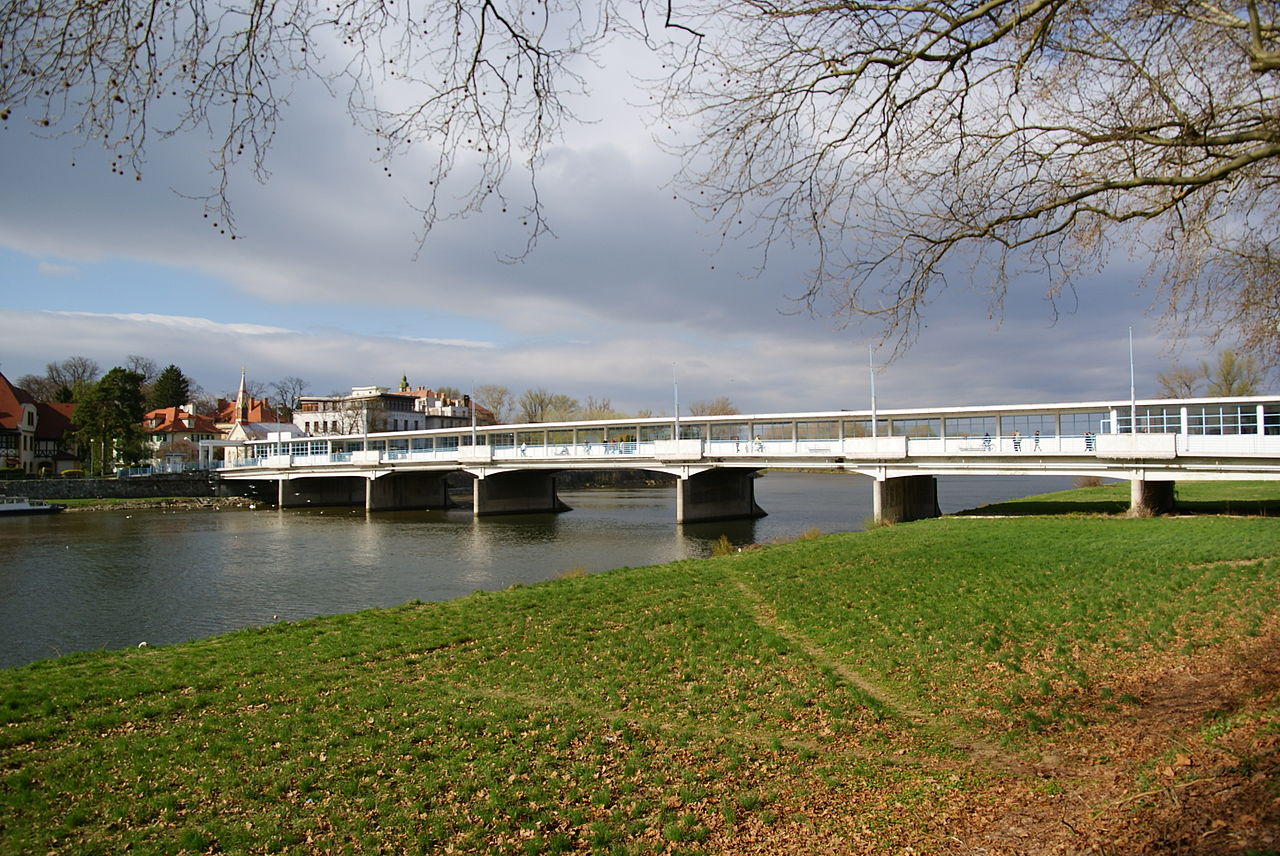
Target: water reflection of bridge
[{"x": 1151, "y": 444}]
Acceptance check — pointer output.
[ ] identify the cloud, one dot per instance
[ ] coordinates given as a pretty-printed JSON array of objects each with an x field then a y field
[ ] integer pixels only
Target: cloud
[
  {"x": 327, "y": 281},
  {"x": 191, "y": 326},
  {"x": 56, "y": 270}
]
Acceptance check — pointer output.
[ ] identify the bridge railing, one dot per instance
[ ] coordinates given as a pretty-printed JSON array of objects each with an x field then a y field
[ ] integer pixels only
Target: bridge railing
[{"x": 850, "y": 448}]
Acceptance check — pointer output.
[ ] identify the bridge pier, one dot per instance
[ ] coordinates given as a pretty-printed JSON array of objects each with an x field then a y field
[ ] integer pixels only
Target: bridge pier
[
  {"x": 727, "y": 494},
  {"x": 906, "y": 498},
  {"x": 343, "y": 490},
  {"x": 397, "y": 491},
  {"x": 517, "y": 492},
  {"x": 1150, "y": 498}
]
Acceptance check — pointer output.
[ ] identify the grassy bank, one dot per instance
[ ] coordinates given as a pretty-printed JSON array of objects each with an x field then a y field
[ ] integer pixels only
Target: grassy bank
[{"x": 935, "y": 685}]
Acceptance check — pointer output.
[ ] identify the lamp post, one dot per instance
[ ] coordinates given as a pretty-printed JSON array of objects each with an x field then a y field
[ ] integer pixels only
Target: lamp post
[
  {"x": 1133, "y": 396},
  {"x": 675, "y": 391},
  {"x": 871, "y": 366}
]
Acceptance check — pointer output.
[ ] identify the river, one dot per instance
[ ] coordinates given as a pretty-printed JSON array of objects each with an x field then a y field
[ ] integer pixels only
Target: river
[{"x": 80, "y": 581}]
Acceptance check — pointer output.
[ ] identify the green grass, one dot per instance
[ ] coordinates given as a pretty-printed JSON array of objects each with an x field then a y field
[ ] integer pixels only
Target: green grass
[
  {"x": 1245, "y": 498},
  {"x": 810, "y": 688}
]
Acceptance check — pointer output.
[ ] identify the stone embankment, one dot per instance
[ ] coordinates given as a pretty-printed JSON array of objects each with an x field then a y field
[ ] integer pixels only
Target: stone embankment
[{"x": 197, "y": 484}]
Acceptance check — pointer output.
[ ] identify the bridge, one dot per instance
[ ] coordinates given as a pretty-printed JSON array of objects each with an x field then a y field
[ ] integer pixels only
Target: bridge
[{"x": 1150, "y": 443}]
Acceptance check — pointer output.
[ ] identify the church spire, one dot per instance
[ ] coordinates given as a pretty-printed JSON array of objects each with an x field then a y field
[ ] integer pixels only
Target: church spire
[{"x": 242, "y": 401}]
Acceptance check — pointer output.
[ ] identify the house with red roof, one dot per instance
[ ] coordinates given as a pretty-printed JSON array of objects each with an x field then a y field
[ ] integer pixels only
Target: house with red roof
[
  {"x": 174, "y": 433},
  {"x": 34, "y": 435}
]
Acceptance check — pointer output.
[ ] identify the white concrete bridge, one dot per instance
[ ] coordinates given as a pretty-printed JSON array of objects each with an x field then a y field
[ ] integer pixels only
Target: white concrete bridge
[{"x": 1150, "y": 443}]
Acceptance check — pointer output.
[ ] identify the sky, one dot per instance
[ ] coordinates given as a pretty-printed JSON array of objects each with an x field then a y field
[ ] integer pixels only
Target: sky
[{"x": 631, "y": 300}]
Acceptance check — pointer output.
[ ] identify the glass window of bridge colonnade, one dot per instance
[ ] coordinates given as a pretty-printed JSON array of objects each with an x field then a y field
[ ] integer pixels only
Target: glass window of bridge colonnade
[
  {"x": 969, "y": 426},
  {"x": 588, "y": 436},
  {"x": 772, "y": 430},
  {"x": 1224, "y": 419},
  {"x": 730, "y": 431},
  {"x": 622, "y": 434},
  {"x": 862, "y": 428},
  {"x": 1157, "y": 419},
  {"x": 1028, "y": 424},
  {"x": 931, "y": 427},
  {"x": 528, "y": 438},
  {"x": 653, "y": 433},
  {"x": 1078, "y": 424},
  {"x": 825, "y": 430}
]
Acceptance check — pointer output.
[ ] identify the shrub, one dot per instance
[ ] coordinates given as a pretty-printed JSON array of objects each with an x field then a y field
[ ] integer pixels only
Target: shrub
[
  {"x": 722, "y": 546},
  {"x": 10, "y": 473},
  {"x": 1087, "y": 481}
]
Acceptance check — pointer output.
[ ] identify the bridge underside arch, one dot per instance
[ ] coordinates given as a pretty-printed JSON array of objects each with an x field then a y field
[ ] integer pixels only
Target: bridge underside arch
[
  {"x": 720, "y": 494},
  {"x": 515, "y": 492},
  {"x": 321, "y": 491},
  {"x": 408, "y": 490}
]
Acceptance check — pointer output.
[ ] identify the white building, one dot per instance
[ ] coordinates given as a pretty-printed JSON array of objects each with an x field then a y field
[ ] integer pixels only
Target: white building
[{"x": 373, "y": 409}]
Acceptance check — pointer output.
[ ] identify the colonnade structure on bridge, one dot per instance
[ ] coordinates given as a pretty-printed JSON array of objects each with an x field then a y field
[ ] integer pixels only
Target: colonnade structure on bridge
[{"x": 512, "y": 468}]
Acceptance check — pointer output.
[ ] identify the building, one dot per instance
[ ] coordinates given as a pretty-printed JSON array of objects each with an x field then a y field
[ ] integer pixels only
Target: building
[
  {"x": 34, "y": 435},
  {"x": 174, "y": 434},
  {"x": 374, "y": 409},
  {"x": 240, "y": 421}
]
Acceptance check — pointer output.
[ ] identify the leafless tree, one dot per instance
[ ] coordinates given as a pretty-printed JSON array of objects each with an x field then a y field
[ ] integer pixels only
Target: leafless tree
[
  {"x": 1180, "y": 382},
  {"x": 288, "y": 390},
  {"x": 483, "y": 80},
  {"x": 912, "y": 141},
  {"x": 71, "y": 376},
  {"x": 144, "y": 366},
  {"x": 598, "y": 408},
  {"x": 497, "y": 399},
  {"x": 909, "y": 142},
  {"x": 541, "y": 405},
  {"x": 721, "y": 406}
]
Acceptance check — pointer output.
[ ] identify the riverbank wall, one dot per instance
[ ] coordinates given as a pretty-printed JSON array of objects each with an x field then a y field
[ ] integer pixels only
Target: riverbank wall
[
  {"x": 139, "y": 487},
  {"x": 204, "y": 484}
]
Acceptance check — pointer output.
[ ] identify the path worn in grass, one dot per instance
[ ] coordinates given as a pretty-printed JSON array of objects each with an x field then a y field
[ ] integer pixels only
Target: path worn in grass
[{"x": 950, "y": 686}]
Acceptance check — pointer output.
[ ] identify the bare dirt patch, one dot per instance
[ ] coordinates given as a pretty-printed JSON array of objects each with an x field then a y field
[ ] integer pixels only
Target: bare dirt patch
[{"x": 1191, "y": 768}]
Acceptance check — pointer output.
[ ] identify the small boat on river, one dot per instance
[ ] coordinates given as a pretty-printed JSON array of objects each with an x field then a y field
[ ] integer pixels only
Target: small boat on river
[{"x": 14, "y": 505}]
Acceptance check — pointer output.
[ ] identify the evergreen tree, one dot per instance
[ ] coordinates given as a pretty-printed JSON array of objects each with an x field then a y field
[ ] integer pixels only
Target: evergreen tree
[
  {"x": 109, "y": 421},
  {"x": 171, "y": 389}
]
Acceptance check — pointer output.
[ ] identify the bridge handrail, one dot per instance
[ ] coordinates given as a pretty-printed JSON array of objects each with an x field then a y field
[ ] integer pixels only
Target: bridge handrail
[{"x": 1088, "y": 445}]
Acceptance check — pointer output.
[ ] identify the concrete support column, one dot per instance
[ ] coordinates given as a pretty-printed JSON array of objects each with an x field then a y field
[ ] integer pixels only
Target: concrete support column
[
  {"x": 1150, "y": 498},
  {"x": 906, "y": 498},
  {"x": 727, "y": 494},
  {"x": 399, "y": 491},
  {"x": 519, "y": 492}
]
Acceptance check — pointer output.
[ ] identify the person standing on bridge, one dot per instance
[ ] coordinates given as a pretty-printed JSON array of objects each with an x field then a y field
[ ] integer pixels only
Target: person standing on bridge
[
  {"x": 1017, "y": 441},
  {"x": 986, "y": 442},
  {"x": 1036, "y": 447}
]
